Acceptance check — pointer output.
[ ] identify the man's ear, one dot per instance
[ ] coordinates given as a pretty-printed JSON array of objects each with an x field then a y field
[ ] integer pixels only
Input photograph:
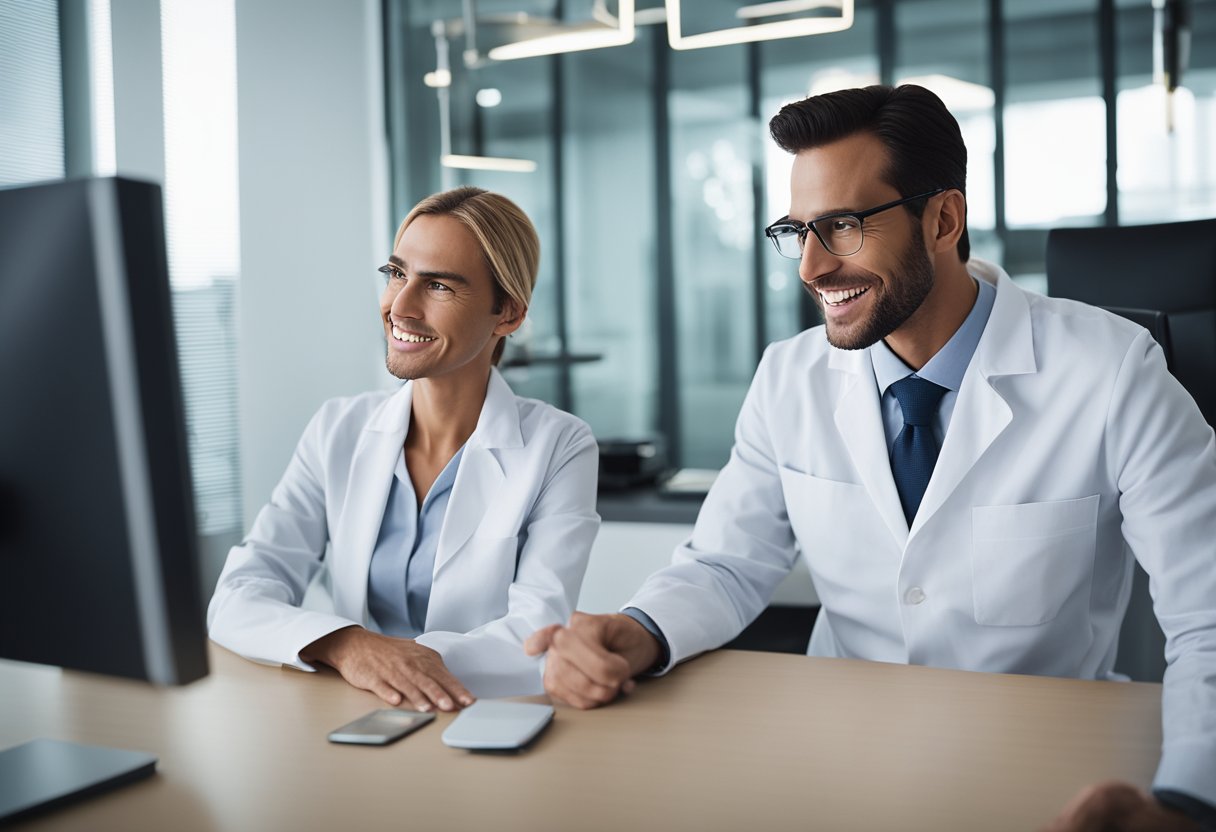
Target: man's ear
[
  {"x": 511, "y": 318},
  {"x": 950, "y": 223}
]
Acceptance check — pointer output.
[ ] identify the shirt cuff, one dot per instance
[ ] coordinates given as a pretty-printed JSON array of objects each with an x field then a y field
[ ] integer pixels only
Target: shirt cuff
[
  {"x": 652, "y": 628},
  {"x": 1197, "y": 810}
]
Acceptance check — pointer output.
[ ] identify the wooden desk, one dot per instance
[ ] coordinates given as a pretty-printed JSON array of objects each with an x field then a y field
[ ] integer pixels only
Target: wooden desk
[{"x": 730, "y": 741}]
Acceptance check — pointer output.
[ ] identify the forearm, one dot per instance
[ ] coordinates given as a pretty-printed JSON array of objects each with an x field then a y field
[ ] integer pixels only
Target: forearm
[
  {"x": 329, "y": 648},
  {"x": 248, "y": 618}
]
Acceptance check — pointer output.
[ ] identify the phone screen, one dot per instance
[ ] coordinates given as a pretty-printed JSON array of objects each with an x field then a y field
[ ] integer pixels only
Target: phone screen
[{"x": 381, "y": 726}]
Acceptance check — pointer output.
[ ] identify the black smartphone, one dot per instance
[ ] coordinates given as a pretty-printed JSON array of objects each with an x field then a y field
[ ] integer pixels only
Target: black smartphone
[{"x": 380, "y": 727}]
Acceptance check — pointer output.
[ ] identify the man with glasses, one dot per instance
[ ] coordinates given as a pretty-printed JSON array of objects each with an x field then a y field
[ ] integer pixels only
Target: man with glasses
[{"x": 967, "y": 467}]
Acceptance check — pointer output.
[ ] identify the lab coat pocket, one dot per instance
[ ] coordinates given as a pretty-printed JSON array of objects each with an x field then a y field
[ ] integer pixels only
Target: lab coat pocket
[
  {"x": 839, "y": 532},
  {"x": 812, "y": 502},
  {"x": 1028, "y": 560}
]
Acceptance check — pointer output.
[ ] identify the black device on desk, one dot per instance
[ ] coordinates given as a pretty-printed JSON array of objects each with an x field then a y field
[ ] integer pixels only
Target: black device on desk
[
  {"x": 97, "y": 533},
  {"x": 630, "y": 463}
]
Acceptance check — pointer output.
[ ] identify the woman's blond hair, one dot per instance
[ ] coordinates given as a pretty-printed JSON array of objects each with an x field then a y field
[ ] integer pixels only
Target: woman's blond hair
[{"x": 506, "y": 236}]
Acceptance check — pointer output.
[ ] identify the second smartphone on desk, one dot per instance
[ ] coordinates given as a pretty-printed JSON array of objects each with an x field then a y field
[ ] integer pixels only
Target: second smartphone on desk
[{"x": 380, "y": 727}]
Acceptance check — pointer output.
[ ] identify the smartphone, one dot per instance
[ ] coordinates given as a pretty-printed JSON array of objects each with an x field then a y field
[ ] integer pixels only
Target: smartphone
[
  {"x": 491, "y": 725},
  {"x": 381, "y": 727}
]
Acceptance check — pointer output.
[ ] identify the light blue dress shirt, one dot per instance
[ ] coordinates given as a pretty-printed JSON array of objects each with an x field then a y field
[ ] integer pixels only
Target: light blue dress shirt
[
  {"x": 403, "y": 562},
  {"x": 945, "y": 369}
]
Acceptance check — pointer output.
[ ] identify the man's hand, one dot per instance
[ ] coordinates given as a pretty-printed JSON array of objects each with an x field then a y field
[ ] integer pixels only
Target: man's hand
[
  {"x": 594, "y": 658},
  {"x": 392, "y": 668},
  {"x": 1119, "y": 807}
]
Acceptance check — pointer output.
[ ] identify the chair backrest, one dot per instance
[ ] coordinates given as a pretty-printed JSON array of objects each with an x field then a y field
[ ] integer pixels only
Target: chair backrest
[
  {"x": 1168, "y": 268},
  {"x": 1163, "y": 277},
  {"x": 1156, "y": 322}
]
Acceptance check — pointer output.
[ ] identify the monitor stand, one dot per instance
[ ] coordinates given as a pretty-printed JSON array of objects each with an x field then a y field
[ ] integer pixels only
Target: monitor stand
[{"x": 41, "y": 774}]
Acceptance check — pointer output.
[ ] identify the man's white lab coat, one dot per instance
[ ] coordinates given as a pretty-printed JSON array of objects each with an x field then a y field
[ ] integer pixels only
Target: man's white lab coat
[{"x": 1070, "y": 450}]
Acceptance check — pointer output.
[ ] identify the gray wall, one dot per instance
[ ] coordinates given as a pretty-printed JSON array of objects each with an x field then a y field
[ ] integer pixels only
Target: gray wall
[{"x": 314, "y": 223}]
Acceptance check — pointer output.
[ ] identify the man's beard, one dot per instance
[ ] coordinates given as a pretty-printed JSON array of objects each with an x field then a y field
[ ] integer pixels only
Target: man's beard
[{"x": 902, "y": 295}]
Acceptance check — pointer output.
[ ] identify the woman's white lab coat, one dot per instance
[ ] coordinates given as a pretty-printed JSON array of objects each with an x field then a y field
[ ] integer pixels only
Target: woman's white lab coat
[{"x": 511, "y": 555}]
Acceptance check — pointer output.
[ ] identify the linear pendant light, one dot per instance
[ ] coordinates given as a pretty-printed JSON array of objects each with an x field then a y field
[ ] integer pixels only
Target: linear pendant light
[
  {"x": 773, "y": 30},
  {"x": 520, "y": 35},
  {"x": 441, "y": 80},
  {"x": 501, "y": 163}
]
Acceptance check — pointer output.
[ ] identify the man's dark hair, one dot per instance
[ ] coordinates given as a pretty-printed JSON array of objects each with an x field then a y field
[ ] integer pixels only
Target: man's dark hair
[{"x": 923, "y": 141}]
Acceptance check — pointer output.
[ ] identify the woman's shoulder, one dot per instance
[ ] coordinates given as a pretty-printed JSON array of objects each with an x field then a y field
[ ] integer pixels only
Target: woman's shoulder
[
  {"x": 348, "y": 415},
  {"x": 537, "y": 418}
]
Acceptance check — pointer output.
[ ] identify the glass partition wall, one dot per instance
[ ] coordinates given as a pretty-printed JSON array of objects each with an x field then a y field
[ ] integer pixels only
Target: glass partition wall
[{"x": 654, "y": 173}]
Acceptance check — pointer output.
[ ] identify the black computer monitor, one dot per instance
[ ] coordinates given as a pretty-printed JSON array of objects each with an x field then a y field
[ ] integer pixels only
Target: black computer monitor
[{"x": 98, "y": 551}]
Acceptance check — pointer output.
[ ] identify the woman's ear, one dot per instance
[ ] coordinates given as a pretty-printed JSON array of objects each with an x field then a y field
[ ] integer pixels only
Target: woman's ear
[{"x": 511, "y": 318}]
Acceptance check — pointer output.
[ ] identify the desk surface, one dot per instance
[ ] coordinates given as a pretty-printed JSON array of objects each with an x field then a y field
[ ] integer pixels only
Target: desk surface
[{"x": 729, "y": 741}]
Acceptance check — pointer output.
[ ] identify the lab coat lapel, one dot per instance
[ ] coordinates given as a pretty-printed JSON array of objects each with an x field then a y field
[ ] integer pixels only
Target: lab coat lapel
[
  {"x": 481, "y": 474},
  {"x": 981, "y": 414},
  {"x": 858, "y": 417},
  {"x": 371, "y": 475}
]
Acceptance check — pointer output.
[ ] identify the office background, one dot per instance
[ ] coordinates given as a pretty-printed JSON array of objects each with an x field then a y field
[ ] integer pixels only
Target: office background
[{"x": 292, "y": 137}]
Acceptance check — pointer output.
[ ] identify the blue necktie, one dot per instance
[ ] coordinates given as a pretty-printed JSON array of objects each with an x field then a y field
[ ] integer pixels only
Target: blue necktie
[{"x": 915, "y": 450}]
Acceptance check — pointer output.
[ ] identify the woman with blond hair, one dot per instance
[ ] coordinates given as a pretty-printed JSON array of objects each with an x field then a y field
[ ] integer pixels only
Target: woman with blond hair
[{"x": 458, "y": 516}]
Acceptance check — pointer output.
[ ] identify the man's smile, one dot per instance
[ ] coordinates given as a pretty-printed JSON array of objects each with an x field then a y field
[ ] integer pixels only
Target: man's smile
[{"x": 841, "y": 297}]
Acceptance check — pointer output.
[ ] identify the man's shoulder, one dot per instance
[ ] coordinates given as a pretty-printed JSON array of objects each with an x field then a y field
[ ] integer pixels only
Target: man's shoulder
[{"x": 1060, "y": 321}]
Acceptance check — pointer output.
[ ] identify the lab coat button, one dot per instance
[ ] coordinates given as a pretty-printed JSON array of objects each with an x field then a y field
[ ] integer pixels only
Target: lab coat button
[{"x": 914, "y": 596}]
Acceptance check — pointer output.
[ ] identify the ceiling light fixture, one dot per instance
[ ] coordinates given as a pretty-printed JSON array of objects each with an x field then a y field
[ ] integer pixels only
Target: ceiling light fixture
[
  {"x": 500, "y": 163},
  {"x": 958, "y": 95},
  {"x": 784, "y": 7},
  {"x": 515, "y": 36},
  {"x": 773, "y": 30},
  {"x": 655, "y": 16},
  {"x": 438, "y": 78},
  {"x": 448, "y": 159}
]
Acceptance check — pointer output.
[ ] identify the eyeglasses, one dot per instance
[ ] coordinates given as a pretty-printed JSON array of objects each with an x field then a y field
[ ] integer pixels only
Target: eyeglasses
[{"x": 841, "y": 234}]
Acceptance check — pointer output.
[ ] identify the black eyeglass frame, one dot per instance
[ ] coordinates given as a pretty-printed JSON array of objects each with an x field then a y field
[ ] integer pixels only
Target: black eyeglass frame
[{"x": 801, "y": 228}]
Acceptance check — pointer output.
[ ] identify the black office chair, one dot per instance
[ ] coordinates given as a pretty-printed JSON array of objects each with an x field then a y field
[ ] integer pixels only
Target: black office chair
[
  {"x": 1162, "y": 277},
  {"x": 1156, "y": 322},
  {"x": 1167, "y": 268}
]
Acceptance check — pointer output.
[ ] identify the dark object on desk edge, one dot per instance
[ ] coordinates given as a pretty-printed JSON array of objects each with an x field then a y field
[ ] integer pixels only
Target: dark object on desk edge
[
  {"x": 629, "y": 463},
  {"x": 645, "y": 505},
  {"x": 43, "y": 774}
]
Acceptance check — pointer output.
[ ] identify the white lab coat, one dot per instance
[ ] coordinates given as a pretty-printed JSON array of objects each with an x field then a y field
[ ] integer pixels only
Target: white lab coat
[
  {"x": 511, "y": 554},
  {"x": 1070, "y": 449}
]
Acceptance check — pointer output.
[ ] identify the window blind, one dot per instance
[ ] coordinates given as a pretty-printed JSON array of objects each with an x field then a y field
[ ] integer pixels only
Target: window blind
[{"x": 31, "y": 92}]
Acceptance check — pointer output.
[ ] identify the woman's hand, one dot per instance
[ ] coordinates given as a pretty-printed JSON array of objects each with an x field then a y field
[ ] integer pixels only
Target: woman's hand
[{"x": 395, "y": 669}]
